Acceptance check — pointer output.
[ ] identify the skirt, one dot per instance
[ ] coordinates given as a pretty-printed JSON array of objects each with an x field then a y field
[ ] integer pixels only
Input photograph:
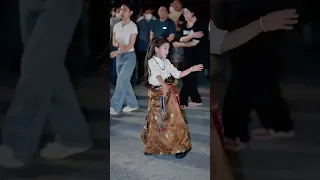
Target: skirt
[
  {"x": 169, "y": 134},
  {"x": 216, "y": 116},
  {"x": 219, "y": 161}
]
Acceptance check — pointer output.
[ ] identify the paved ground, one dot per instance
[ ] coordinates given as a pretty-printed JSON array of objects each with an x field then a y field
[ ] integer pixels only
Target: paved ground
[
  {"x": 291, "y": 159},
  {"x": 94, "y": 165},
  {"x": 127, "y": 161}
]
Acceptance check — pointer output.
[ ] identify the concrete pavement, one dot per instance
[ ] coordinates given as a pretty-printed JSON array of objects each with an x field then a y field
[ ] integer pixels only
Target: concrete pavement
[{"x": 126, "y": 149}]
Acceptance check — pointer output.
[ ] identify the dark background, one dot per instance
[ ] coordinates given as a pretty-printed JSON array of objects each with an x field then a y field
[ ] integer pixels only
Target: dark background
[{"x": 298, "y": 47}]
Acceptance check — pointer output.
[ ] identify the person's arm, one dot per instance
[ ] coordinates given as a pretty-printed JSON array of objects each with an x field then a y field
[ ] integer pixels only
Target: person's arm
[
  {"x": 240, "y": 36},
  {"x": 172, "y": 31},
  {"x": 192, "y": 43},
  {"x": 151, "y": 35},
  {"x": 155, "y": 72},
  {"x": 114, "y": 41},
  {"x": 175, "y": 72},
  {"x": 132, "y": 41},
  {"x": 187, "y": 38}
]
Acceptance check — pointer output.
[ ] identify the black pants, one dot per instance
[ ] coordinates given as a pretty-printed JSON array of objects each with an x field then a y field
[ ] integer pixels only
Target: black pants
[
  {"x": 140, "y": 64},
  {"x": 189, "y": 88},
  {"x": 264, "y": 97}
]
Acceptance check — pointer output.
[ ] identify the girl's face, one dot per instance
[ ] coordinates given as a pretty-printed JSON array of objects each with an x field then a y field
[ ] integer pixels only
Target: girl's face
[
  {"x": 125, "y": 12},
  {"x": 162, "y": 51},
  {"x": 187, "y": 15}
]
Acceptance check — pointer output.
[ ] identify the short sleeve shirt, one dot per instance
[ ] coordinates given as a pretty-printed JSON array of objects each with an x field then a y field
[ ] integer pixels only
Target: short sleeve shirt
[
  {"x": 163, "y": 29},
  {"x": 123, "y": 33},
  {"x": 163, "y": 68}
]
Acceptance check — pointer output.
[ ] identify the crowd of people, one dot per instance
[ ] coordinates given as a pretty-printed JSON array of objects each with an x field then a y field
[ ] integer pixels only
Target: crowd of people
[
  {"x": 179, "y": 24},
  {"x": 155, "y": 48}
]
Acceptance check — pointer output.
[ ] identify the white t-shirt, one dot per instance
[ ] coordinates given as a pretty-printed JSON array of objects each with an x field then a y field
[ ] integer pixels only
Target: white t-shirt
[
  {"x": 123, "y": 32},
  {"x": 216, "y": 38},
  {"x": 164, "y": 68}
]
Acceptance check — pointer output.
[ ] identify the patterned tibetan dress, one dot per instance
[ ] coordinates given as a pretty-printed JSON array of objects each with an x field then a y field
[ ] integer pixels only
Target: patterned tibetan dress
[
  {"x": 219, "y": 162},
  {"x": 169, "y": 134}
]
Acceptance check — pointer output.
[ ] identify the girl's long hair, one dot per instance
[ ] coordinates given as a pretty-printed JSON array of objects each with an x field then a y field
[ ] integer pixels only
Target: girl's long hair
[{"x": 156, "y": 42}]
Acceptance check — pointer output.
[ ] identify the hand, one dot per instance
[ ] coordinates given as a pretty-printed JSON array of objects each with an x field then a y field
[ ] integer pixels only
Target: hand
[
  {"x": 198, "y": 67},
  {"x": 177, "y": 44},
  {"x": 121, "y": 46},
  {"x": 114, "y": 54},
  {"x": 284, "y": 19},
  {"x": 198, "y": 34},
  {"x": 165, "y": 90}
]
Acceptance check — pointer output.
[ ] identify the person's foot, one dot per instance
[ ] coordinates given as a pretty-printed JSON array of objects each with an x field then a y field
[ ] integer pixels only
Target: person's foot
[
  {"x": 194, "y": 104},
  {"x": 113, "y": 112},
  {"x": 58, "y": 151},
  {"x": 8, "y": 159},
  {"x": 183, "y": 154},
  {"x": 129, "y": 109},
  {"x": 183, "y": 107},
  {"x": 147, "y": 154},
  {"x": 233, "y": 144},
  {"x": 262, "y": 133}
]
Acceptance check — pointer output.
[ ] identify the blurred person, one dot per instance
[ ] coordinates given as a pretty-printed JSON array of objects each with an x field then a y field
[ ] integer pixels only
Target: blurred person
[
  {"x": 176, "y": 15},
  {"x": 114, "y": 20},
  {"x": 124, "y": 37},
  {"x": 163, "y": 27},
  {"x": 194, "y": 41},
  {"x": 144, "y": 28},
  {"x": 222, "y": 41},
  {"x": 165, "y": 131},
  {"x": 44, "y": 89}
]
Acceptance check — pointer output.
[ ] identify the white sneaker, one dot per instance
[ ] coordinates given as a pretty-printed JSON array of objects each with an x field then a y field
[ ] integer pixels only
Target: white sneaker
[
  {"x": 112, "y": 111},
  {"x": 58, "y": 151},
  {"x": 128, "y": 109},
  {"x": 7, "y": 158}
]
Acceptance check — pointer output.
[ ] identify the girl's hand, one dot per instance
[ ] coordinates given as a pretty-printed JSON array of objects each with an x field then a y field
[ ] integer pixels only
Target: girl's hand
[
  {"x": 165, "y": 90},
  {"x": 114, "y": 54},
  {"x": 198, "y": 67}
]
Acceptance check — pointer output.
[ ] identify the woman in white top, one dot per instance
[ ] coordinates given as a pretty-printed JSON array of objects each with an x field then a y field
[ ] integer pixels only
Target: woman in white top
[
  {"x": 165, "y": 131},
  {"x": 124, "y": 37},
  {"x": 220, "y": 42}
]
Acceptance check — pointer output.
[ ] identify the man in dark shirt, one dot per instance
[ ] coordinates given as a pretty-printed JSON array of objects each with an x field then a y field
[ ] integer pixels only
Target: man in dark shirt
[{"x": 163, "y": 27}]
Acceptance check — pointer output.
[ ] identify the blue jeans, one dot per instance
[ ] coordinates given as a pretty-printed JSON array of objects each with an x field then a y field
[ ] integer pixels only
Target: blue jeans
[
  {"x": 44, "y": 90},
  {"x": 123, "y": 92},
  {"x": 113, "y": 72}
]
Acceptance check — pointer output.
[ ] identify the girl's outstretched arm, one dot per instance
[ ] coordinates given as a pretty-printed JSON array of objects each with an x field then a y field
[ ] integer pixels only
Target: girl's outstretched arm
[{"x": 195, "y": 68}]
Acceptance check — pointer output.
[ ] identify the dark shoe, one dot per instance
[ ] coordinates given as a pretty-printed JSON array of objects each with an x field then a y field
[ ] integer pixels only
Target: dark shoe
[
  {"x": 182, "y": 155},
  {"x": 147, "y": 154}
]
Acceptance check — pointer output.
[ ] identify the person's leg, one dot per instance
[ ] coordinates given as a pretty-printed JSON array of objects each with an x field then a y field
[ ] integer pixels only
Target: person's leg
[
  {"x": 44, "y": 54},
  {"x": 113, "y": 68},
  {"x": 67, "y": 120},
  {"x": 130, "y": 99},
  {"x": 236, "y": 115},
  {"x": 141, "y": 57},
  {"x": 194, "y": 93},
  {"x": 185, "y": 87},
  {"x": 125, "y": 67},
  {"x": 273, "y": 112}
]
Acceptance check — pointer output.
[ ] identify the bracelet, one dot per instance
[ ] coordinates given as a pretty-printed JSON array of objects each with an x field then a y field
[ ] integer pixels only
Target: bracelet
[{"x": 261, "y": 24}]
